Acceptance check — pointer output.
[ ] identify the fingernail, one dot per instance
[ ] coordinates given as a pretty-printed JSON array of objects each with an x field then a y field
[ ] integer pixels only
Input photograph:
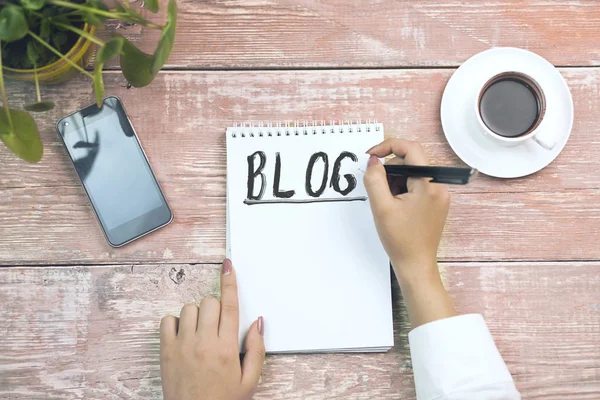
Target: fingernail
[
  {"x": 373, "y": 160},
  {"x": 226, "y": 269},
  {"x": 261, "y": 326},
  {"x": 368, "y": 151}
]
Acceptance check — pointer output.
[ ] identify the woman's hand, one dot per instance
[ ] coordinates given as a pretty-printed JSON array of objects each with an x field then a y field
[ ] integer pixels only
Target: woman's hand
[
  {"x": 410, "y": 224},
  {"x": 410, "y": 227},
  {"x": 199, "y": 352}
]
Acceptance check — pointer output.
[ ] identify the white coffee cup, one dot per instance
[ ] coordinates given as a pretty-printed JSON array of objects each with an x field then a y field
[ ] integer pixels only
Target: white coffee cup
[{"x": 543, "y": 137}]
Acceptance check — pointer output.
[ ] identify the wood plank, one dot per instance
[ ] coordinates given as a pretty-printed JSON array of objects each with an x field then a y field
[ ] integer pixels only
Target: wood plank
[
  {"x": 91, "y": 332},
  {"x": 544, "y": 317},
  {"x": 369, "y": 33},
  {"x": 43, "y": 213},
  {"x": 181, "y": 119},
  {"x": 57, "y": 226}
]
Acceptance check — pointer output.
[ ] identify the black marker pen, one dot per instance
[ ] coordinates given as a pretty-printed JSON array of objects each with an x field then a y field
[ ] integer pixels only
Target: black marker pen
[{"x": 449, "y": 175}]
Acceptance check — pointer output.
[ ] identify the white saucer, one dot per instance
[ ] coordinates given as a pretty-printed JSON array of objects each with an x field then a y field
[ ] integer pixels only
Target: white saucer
[{"x": 463, "y": 132}]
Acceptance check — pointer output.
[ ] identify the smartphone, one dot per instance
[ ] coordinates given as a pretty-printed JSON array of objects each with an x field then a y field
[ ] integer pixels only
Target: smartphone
[{"x": 114, "y": 171}]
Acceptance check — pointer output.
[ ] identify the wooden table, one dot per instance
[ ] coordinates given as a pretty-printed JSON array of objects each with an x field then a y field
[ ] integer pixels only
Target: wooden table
[{"x": 79, "y": 320}]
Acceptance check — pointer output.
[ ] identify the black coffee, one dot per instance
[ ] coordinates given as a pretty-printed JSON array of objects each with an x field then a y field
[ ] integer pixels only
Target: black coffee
[{"x": 509, "y": 107}]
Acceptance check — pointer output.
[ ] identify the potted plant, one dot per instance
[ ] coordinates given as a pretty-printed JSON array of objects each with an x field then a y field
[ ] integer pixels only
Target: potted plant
[{"x": 48, "y": 41}]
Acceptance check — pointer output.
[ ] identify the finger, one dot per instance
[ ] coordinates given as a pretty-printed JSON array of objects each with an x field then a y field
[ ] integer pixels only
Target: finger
[
  {"x": 230, "y": 316},
  {"x": 411, "y": 152},
  {"x": 377, "y": 186},
  {"x": 208, "y": 317},
  {"x": 395, "y": 161},
  {"x": 255, "y": 355},
  {"x": 188, "y": 320},
  {"x": 168, "y": 328},
  {"x": 440, "y": 193}
]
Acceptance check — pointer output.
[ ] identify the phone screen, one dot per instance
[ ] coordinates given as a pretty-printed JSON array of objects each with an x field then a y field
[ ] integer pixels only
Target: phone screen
[{"x": 114, "y": 171}]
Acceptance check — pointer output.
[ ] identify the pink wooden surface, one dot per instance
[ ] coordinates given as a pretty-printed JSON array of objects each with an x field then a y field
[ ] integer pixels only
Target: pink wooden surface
[
  {"x": 91, "y": 332},
  {"x": 79, "y": 319},
  {"x": 220, "y": 34},
  {"x": 182, "y": 130}
]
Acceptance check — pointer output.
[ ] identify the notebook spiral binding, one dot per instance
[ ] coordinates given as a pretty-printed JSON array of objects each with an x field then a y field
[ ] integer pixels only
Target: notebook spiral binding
[{"x": 252, "y": 129}]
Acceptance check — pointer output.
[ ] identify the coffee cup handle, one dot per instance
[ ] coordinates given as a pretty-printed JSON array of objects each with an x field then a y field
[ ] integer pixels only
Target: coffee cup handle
[{"x": 545, "y": 139}]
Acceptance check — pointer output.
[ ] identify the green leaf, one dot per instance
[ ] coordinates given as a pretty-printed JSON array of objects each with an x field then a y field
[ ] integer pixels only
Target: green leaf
[
  {"x": 110, "y": 50},
  {"x": 62, "y": 19},
  {"x": 45, "y": 29},
  {"x": 140, "y": 68},
  {"x": 99, "y": 87},
  {"x": 24, "y": 139},
  {"x": 151, "y": 5},
  {"x": 99, "y": 5},
  {"x": 59, "y": 39},
  {"x": 136, "y": 65},
  {"x": 94, "y": 20},
  {"x": 165, "y": 44},
  {"x": 26, "y": 64},
  {"x": 13, "y": 25},
  {"x": 32, "y": 52},
  {"x": 40, "y": 106},
  {"x": 33, "y": 4}
]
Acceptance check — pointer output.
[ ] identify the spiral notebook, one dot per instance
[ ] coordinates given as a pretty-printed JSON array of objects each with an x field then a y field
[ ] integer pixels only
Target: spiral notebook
[{"x": 302, "y": 239}]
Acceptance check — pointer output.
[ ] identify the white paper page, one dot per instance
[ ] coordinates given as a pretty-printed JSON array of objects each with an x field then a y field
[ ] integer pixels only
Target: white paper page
[{"x": 316, "y": 272}]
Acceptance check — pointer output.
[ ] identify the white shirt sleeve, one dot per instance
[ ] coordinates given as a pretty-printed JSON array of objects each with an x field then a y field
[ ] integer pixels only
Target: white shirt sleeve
[{"x": 456, "y": 358}]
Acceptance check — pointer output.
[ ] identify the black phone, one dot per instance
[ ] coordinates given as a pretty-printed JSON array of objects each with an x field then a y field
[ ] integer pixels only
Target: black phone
[{"x": 114, "y": 171}]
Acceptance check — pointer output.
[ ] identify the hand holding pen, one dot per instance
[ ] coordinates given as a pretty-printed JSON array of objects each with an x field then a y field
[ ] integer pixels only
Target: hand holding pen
[
  {"x": 410, "y": 226},
  {"x": 401, "y": 166}
]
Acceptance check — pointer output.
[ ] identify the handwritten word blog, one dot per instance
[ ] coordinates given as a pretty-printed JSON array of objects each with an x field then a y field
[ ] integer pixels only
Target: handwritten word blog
[{"x": 258, "y": 160}]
